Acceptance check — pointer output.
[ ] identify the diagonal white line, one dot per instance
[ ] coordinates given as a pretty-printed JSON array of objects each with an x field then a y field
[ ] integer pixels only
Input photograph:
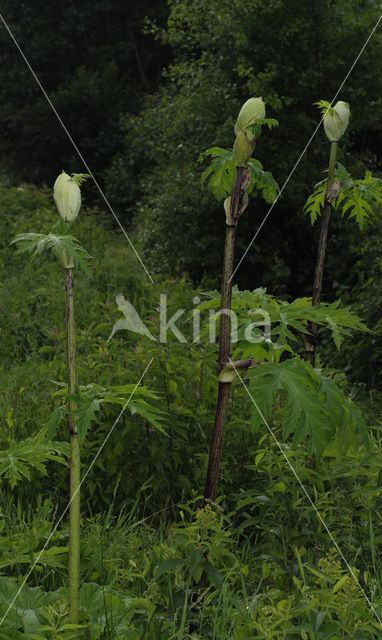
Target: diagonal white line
[
  {"x": 74, "y": 145},
  {"x": 76, "y": 491},
  {"x": 307, "y": 494},
  {"x": 305, "y": 148}
]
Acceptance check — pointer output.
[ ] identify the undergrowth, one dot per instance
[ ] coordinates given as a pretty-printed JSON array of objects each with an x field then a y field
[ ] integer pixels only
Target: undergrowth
[{"x": 156, "y": 565}]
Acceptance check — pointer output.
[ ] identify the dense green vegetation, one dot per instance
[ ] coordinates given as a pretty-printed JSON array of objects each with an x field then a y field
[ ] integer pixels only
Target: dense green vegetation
[
  {"x": 269, "y": 559},
  {"x": 223, "y": 52},
  {"x": 290, "y": 547},
  {"x": 138, "y": 136}
]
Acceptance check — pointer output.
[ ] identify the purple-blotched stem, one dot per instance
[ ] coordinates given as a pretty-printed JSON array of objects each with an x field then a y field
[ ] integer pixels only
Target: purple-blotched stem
[
  {"x": 224, "y": 340},
  {"x": 311, "y": 339}
]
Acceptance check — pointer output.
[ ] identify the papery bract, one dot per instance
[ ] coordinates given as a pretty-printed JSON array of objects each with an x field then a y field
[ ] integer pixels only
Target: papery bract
[
  {"x": 67, "y": 196},
  {"x": 252, "y": 110},
  {"x": 336, "y": 121},
  {"x": 242, "y": 149}
]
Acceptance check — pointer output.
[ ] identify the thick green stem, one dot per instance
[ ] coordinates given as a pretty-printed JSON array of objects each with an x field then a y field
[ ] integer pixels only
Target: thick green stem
[
  {"x": 224, "y": 342},
  {"x": 74, "y": 509},
  {"x": 311, "y": 340}
]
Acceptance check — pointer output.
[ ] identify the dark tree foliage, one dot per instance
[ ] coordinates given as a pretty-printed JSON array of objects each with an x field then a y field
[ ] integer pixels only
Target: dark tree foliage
[
  {"x": 95, "y": 64},
  {"x": 292, "y": 54},
  {"x": 99, "y": 60},
  {"x": 360, "y": 284}
]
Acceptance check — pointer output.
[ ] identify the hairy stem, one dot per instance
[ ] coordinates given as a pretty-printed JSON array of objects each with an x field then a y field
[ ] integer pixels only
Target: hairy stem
[
  {"x": 217, "y": 441},
  {"x": 311, "y": 340},
  {"x": 224, "y": 343},
  {"x": 74, "y": 509},
  {"x": 226, "y": 296}
]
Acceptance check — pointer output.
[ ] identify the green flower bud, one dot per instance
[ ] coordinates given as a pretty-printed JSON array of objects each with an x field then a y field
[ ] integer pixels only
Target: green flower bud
[
  {"x": 336, "y": 121},
  {"x": 67, "y": 196},
  {"x": 242, "y": 149},
  {"x": 252, "y": 110}
]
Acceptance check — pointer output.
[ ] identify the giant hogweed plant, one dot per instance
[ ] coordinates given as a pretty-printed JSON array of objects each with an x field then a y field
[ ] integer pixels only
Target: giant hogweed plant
[
  {"x": 232, "y": 176},
  {"x": 80, "y": 403},
  {"x": 309, "y": 404},
  {"x": 67, "y": 196},
  {"x": 339, "y": 191}
]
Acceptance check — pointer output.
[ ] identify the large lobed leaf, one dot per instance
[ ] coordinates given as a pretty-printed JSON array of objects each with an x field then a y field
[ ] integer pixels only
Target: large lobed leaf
[
  {"x": 310, "y": 406},
  {"x": 36, "y": 243},
  {"x": 357, "y": 198},
  {"x": 287, "y": 320},
  {"x": 90, "y": 398},
  {"x": 18, "y": 461},
  {"x": 221, "y": 175}
]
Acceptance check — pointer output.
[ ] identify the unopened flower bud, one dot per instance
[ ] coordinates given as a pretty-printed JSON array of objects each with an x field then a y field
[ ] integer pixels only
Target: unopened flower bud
[
  {"x": 336, "y": 121},
  {"x": 67, "y": 196},
  {"x": 252, "y": 110},
  {"x": 242, "y": 148}
]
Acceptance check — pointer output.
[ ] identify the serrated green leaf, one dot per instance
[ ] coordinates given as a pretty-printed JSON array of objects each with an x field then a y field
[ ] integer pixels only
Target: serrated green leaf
[
  {"x": 356, "y": 199},
  {"x": 85, "y": 414},
  {"x": 20, "y": 458},
  {"x": 221, "y": 175},
  {"x": 287, "y": 320},
  {"x": 324, "y": 107},
  {"x": 79, "y": 178},
  {"x": 316, "y": 201},
  {"x": 263, "y": 181},
  {"x": 138, "y": 400},
  {"x": 35, "y": 243},
  {"x": 56, "y": 417},
  {"x": 312, "y": 406}
]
